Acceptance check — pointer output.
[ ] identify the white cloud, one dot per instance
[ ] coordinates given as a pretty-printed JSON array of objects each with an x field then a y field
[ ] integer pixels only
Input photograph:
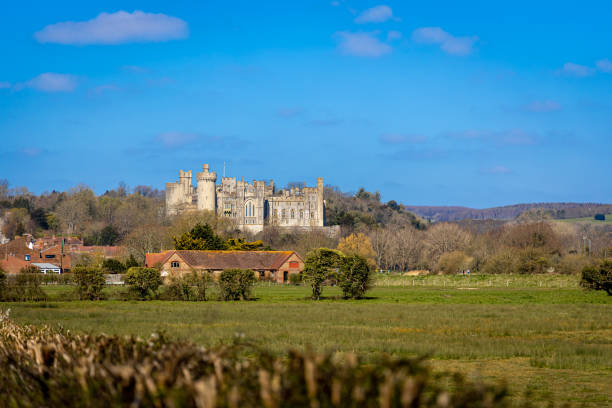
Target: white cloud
[
  {"x": 571, "y": 69},
  {"x": 448, "y": 43},
  {"x": 115, "y": 28},
  {"x": 5, "y": 85},
  {"x": 51, "y": 82},
  {"x": 544, "y": 106},
  {"x": 335, "y": 3},
  {"x": 362, "y": 44},
  {"x": 394, "y": 35},
  {"x": 604, "y": 65},
  {"x": 377, "y": 14}
]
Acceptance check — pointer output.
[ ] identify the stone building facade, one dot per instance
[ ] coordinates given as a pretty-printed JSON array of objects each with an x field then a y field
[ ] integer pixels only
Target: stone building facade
[{"x": 251, "y": 205}]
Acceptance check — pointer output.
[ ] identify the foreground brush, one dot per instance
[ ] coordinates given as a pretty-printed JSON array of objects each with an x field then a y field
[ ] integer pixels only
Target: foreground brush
[{"x": 45, "y": 367}]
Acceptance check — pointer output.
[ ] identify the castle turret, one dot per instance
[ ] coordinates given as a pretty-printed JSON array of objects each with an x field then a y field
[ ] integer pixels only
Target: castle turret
[
  {"x": 320, "y": 202},
  {"x": 206, "y": 189}
]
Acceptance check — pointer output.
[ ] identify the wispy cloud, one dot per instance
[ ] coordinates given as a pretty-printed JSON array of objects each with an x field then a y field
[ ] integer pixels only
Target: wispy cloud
[
  {"x": 543, "y": 106},
  {"x": 497, "y": 170},
  {"x": 394, "y": 35},
  {"x": 398, "y": 138},
  {"x": 324, "y": 122},
  {"x": 448, "y": 43},
  {"x": 289, "y": 112},
  {"x": 504, "y": 137},
  {"x": 376, "y": 14},
  {"x": 577, "y": 70},
  {"x": 604, "y": 65},
  {"x": 99, "y": 90},
  {"x": 135, "y": 69},
  {"x": 5, "y": 85},
  {"x": 175, "y": 139},
  {"x": 50, "y": 82},
  {"x": 32, "y": 151},
  {"x": 115, "y": 28},
  {"x": 362, "y": 44}
]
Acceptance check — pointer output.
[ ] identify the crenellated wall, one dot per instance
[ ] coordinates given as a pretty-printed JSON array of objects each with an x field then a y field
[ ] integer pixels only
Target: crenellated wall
[{"x": 251, "y": 205}]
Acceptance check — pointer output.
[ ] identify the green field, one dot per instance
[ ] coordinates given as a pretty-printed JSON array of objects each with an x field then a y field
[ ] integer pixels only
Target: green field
[{"x": 543, "y": 335}]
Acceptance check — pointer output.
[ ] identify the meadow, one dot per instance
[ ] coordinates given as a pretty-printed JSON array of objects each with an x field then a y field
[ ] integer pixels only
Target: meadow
[{"x": 545, "y": 336}]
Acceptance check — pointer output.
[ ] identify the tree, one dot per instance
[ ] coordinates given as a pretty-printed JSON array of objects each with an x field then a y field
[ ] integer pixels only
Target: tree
[
  {"x": 358, "y": 244},
  {"x": 90, "y": 281},
  {"x": 236, "y": 284},
  {"x": 598, "y": 277},
  {"x": 445, "y": 237},
  {"x": 143, "y": 281},
  {"x": 201, "y": 237},
  {"x": 355, "y": 276},
  {"x": 240, "y": 244},
  {"x": 111, "y": 265},
  {"x": 3, "y": 285},
  {"x": 320, "y": 265}
]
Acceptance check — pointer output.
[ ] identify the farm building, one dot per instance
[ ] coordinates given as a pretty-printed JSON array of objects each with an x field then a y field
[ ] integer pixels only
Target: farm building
[{"x": 273, "y": 265}]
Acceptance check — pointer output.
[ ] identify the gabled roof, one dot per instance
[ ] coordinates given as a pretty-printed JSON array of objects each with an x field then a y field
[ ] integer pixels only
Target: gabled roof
[{"x": 218, "y": 260}]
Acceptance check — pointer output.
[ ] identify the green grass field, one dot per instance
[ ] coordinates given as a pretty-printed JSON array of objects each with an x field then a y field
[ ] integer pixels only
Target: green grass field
[{"x": 543, "y": 335}]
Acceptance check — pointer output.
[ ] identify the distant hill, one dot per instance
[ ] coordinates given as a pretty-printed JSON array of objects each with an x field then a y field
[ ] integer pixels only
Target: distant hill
[{"x": 508, "y": 212}]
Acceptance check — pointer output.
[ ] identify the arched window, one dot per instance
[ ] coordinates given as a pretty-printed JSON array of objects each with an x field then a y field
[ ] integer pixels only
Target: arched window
[
  {"x": 249, "y": 209},
  {"x": 283, "y": 213},
  {"x": 292, "y": 213},
  {"x": 301, "y": 214}
]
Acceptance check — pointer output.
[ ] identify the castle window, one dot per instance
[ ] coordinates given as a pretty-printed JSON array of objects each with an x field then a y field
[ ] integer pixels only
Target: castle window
[
  {"x": 301, "y": 214},
  {"x": 292, "y": 213},
  {"x": 174, "y": 264},
  {"x": 283, "y": 213}
]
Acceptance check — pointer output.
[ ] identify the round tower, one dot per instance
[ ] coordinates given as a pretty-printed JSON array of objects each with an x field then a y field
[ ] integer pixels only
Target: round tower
[{"x": 206, "y": 189}]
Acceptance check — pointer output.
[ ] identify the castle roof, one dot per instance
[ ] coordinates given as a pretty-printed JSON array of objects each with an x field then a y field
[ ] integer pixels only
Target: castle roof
[{"x": 218, "y": 260}]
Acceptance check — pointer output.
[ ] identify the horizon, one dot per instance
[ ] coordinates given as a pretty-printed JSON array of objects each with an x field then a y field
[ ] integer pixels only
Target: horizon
[{"x": 469, "y": 105}]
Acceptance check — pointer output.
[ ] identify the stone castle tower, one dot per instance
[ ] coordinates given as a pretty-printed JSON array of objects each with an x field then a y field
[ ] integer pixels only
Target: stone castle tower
[{"x": 251, "y": 205}]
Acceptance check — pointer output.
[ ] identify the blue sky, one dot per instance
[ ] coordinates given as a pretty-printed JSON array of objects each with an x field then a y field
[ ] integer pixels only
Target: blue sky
[{"x": 432, "y": 103}]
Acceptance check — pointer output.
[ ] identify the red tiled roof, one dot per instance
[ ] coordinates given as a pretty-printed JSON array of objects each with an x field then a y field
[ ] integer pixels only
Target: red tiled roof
[{"x": 218, "y": 260}]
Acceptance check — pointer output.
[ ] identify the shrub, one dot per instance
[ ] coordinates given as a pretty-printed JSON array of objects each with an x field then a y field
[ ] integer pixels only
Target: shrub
[
  {"x": 49, "y": 367},
  {"x": 355, "y": 276},
  {"x": 236, "y": 284},
  {"x": 143, "y": 281},
  {"x": 500, "y": 263},
  {"x": 89, "y": 281},
  {"x": 453, "y": 262},
  {"x": 25, "y": 286},
  {"x": 57, "y": 279},
  {"x": 598, "y": 277},
  {"x": 572, "y": 264},
  {"x": 190, "y": 287},
  {"x": 531, "y": 260},
  {"x": 320, "y": 265},
  {"x": 111, "y": 265},
  {"x": 3, "y": 285},
  {"x": 295, "y": 279},
  {"x": 131, "y": 262}
]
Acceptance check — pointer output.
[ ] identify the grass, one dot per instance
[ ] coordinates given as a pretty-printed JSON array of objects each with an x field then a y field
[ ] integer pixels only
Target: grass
[{"x": 552, "y": 340}]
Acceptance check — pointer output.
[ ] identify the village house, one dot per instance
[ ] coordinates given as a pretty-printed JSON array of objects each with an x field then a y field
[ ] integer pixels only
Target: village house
[
  {"x": 58, "y": 251},
  {"x": 276, "y": 266}
]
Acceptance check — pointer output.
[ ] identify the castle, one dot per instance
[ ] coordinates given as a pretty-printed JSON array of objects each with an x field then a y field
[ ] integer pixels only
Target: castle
[{"x": 251, "y": 205}]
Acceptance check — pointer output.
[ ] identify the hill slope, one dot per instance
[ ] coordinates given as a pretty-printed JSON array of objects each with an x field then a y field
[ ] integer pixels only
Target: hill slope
[{"x": 558, "y": 211}]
